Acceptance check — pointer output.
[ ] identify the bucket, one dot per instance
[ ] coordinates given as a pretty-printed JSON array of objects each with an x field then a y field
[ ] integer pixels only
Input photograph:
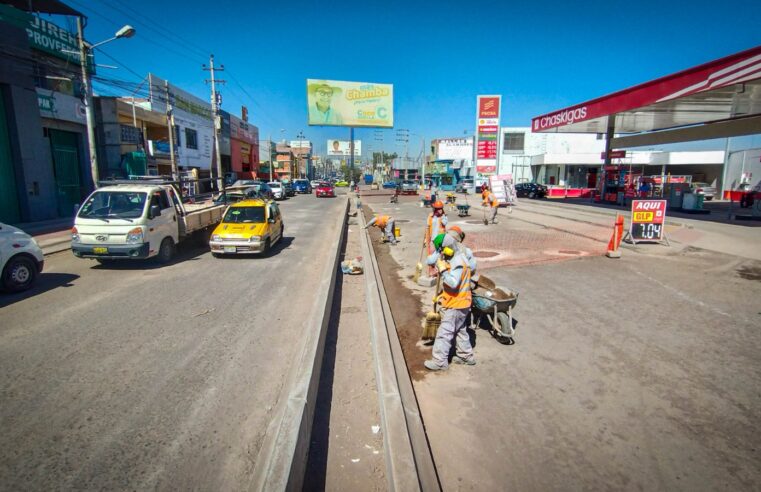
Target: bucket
[{"x": 397, "y": 231}]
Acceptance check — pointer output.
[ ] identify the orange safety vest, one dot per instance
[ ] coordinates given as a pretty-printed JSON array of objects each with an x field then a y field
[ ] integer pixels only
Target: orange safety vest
[
  {"x": 381, "y": 221},
  {"x": 461, "y": 297},
  {"x": 493, "y": 202}
]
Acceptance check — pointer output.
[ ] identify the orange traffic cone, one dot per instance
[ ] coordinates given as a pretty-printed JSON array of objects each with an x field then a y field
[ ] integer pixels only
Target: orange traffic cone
[{"x": 615, "y": 239}]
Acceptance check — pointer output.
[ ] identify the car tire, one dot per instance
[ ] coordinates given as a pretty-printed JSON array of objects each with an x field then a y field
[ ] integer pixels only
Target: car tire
[
  {"x": 19, "y": 274},
  {"x": 217, "y": 255},
  {"x": 166, "y": 251},
  {"x": 532, "y": 194}
]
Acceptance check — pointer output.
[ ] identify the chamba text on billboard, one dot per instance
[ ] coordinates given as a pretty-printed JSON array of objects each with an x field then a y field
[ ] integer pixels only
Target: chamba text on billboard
[{"x": 355, "y": 104}]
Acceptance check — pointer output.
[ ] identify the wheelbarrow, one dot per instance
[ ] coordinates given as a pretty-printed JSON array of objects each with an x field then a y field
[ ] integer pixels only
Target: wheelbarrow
[
  {"x": 463, "y": 210},
  {"x": 495, "y": 305}
]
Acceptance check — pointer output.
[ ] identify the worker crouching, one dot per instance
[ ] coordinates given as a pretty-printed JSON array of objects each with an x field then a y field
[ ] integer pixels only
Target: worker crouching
[
  {"x": 386, "y": 224},
  {"x": 455, "y": 300}
]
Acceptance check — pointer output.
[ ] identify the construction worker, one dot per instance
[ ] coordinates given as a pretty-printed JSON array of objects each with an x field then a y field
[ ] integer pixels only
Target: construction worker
[
  {"x": 436, "y": 224},
  {"x": 455, "y": 300},
  {"x": 490, "y": 199},
  {"x": 457, "y": 238},
  {"x": 386, "y": 224}
]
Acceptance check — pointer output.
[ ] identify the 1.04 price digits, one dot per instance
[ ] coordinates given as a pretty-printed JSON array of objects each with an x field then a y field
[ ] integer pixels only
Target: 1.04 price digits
[{"x": 649, "y": 231}]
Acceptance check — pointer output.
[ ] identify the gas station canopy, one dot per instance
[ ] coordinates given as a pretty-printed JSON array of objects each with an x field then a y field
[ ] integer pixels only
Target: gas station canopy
[{"x": 718, "y": 99}]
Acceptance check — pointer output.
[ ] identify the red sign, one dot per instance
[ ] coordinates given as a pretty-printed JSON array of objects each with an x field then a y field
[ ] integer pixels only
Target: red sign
[
  {"x": 486, "y": 169},
  {"x": 488, "y": 129},
  {"x": 726, "y": 71},
  {"x": 614, "y": 154},
  {"x": 648, "y": 217},
  {"x": 488, "y": 107}
]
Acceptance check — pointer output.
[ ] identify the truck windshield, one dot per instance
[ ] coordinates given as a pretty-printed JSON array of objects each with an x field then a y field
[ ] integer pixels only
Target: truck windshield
[
  {"x": 242, "y": 215},
  {"x": 114, "y": 205}
]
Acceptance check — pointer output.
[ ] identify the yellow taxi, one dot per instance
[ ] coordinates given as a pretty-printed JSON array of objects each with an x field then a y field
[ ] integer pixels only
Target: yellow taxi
[{"x": 248, "y": 226}]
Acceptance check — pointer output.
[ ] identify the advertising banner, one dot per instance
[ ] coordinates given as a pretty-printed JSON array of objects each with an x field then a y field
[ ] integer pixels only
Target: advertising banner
[
  {"x": 59, "y": 106},
  {"x": 300, "y": 144},
  {"x": 648, "y": 218},
  {"x": 455, "y": 148},
  {"x": 354, "y": 104},
  {"x": 502, "y": 187},
  {"x": 487, "y": 133},
  {"x": 340, "y": 148}
]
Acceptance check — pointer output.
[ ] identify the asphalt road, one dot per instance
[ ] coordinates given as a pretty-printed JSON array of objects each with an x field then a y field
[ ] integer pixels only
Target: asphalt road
[{"x": 142, "y": 377}]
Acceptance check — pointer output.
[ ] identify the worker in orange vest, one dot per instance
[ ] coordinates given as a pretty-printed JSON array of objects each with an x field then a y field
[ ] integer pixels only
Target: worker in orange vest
[
  {"x": 386, "y": 224},
  {"x": 455, "y": 301},
  {"x": 490, "y": 199},
  {"x": 436, "y": 224}
]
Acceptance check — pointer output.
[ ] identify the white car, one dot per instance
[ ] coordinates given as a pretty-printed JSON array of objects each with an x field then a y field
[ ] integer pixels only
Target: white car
[
  {"x": 278, "y": 190},
  {"x": 314, "y": 183},
  {"x": 21, "y": 259}
]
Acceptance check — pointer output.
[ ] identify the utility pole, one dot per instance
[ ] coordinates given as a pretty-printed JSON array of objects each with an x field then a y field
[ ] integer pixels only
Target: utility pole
[
  {"x": 170, "y": 129},
  {"x": 215, "y": 100},
  {"x": 269, "y": 150},
  {"x": 89, "y": 110}
]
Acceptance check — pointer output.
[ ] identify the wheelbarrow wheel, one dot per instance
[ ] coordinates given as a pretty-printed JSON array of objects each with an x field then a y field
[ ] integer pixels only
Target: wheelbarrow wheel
[{"x": 503, "y": 326}]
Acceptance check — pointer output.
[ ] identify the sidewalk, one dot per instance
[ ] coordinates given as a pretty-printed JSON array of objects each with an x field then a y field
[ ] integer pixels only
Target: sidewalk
[
  {"x": 634, "y": 373},
  {"x": 53, "y": 236}
]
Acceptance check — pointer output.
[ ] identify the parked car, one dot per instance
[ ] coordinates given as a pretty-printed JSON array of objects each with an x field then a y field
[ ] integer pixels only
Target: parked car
[
  {"x": 249, "y": 226},
  {"x": 21, "y": 259},
  {"x": 531, "y": 190},
  {"x": 342, "y": 183},
  {"x": 324, "y": 189},
  {"x": 278, "y": 190},
  {"x": 705, "y": 189},
  {"x": 289, "y": 191},
  {"x": 466, "y": 185},
  {"x": 389, "y": 185},
  {"x": 245, "y": 182},
  {"x": 409, "y": 185},
  {"x": 302, "y": 186}
]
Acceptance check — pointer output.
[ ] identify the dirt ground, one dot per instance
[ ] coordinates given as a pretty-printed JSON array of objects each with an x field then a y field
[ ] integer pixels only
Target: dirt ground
[
  {"x": 347, "y": 442},
  {"x": 636, "y": 373}
]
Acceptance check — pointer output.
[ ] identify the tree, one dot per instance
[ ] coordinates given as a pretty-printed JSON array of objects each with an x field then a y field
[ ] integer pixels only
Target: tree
[{"x": 348, "y": 175}]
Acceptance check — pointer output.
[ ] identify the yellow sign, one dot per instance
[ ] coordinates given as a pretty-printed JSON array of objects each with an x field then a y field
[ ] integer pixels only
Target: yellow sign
[
  {"x": 643, "y": 217},
  {"x": 356, "y": 104}
]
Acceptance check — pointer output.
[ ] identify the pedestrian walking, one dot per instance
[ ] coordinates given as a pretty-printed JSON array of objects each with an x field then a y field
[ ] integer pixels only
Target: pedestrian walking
[
  {"x": 386, "y": 224},
  {"x": 455, "y": 300}
]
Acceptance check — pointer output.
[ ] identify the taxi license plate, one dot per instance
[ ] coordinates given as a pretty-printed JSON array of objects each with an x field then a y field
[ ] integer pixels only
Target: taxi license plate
[
  {"x": 230, "y": 249},
  {"x": 100, "y": 251}
]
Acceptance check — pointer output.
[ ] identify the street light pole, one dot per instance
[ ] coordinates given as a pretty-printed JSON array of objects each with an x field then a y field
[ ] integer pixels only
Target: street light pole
[{"x": 125, "y": 32}]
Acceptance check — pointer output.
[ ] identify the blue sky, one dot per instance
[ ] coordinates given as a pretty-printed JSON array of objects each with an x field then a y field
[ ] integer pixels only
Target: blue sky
[{"x": 540, "y": 56}]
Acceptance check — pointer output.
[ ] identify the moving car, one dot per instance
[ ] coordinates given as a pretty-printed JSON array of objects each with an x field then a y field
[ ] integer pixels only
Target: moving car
[
  {"x": 278, "y": 190},
  {"x": 531, "y": 190},
  {"x": 705, "y": 189},
  {"x": 131, "y": 221},
  {"x": 21, "y": 259},
  {"x": 302, "y": 186},
  {"x": 314, "y": 183},
  {"x": 325, "y": 189},
  {"x": 389, "y": 185},
  {"x": 249, "y": 226},
  {"x": 342, "y": 183}
]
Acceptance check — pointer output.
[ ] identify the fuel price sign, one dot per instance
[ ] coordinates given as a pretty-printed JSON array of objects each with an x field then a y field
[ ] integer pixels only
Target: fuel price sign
[{"x": 648, "y": 218}]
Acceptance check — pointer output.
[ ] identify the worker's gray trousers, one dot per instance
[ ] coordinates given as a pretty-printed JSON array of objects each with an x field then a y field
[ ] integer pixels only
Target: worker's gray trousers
[
  {"x": 493, "y": 215},
  {"x": 389, "y": 230},
  {"x": 453, "y": 325}
]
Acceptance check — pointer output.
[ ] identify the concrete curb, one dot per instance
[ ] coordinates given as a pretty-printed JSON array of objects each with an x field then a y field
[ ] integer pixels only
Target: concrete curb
[
  {"x": 409, "y": 462},
  {"x": 282, "y": 459}
]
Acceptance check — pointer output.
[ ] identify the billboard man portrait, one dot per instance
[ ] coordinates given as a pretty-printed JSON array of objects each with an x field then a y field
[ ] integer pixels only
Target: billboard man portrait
[{"x": 320, "y": 96}]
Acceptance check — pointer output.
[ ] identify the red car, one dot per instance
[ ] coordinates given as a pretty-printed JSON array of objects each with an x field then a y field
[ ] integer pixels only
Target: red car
[{"x": 324, "y": 189}]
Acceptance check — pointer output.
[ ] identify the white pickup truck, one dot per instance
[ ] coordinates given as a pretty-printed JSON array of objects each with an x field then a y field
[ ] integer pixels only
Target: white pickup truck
[{"x": 137, "y": 221}]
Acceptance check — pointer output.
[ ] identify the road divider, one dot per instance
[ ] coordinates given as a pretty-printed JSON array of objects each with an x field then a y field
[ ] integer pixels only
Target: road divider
[{"x": 282, "y": 459}]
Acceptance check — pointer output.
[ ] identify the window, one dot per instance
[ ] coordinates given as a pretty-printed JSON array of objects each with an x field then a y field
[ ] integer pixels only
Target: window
[
  {"x": 513, "y": 141},
  {"x": 159, "y": 198},
  {"x": 191, "y": 139}
]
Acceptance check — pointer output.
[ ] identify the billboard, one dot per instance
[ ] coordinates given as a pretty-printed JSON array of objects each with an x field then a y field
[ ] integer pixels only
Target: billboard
[
  {"x": 487, "y": 133},
  {"x": 340, "y": 148},
  {"x": 455, "y": 148},
  {"x": 299, "y": 144},
  {"x": 354, "y": 104}
]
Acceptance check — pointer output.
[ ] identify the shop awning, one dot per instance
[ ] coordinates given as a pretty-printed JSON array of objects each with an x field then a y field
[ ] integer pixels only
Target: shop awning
[{"x": 717, "y": 99}]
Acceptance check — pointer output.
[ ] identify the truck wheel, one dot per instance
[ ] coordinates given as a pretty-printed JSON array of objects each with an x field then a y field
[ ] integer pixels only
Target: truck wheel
[
  {"x": 19, "y": 274},
  {"x": 166, "y": 251}
]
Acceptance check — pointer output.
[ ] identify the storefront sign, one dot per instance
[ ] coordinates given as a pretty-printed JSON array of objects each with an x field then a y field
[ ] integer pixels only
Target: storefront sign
[
  {"x": 487, "y": 133},
  {"x": 614, "y": 154},
  {"x": 454, "y": 148},
  {"x": 648, "y": 220},
  {"x": 57, "y": 106}
]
